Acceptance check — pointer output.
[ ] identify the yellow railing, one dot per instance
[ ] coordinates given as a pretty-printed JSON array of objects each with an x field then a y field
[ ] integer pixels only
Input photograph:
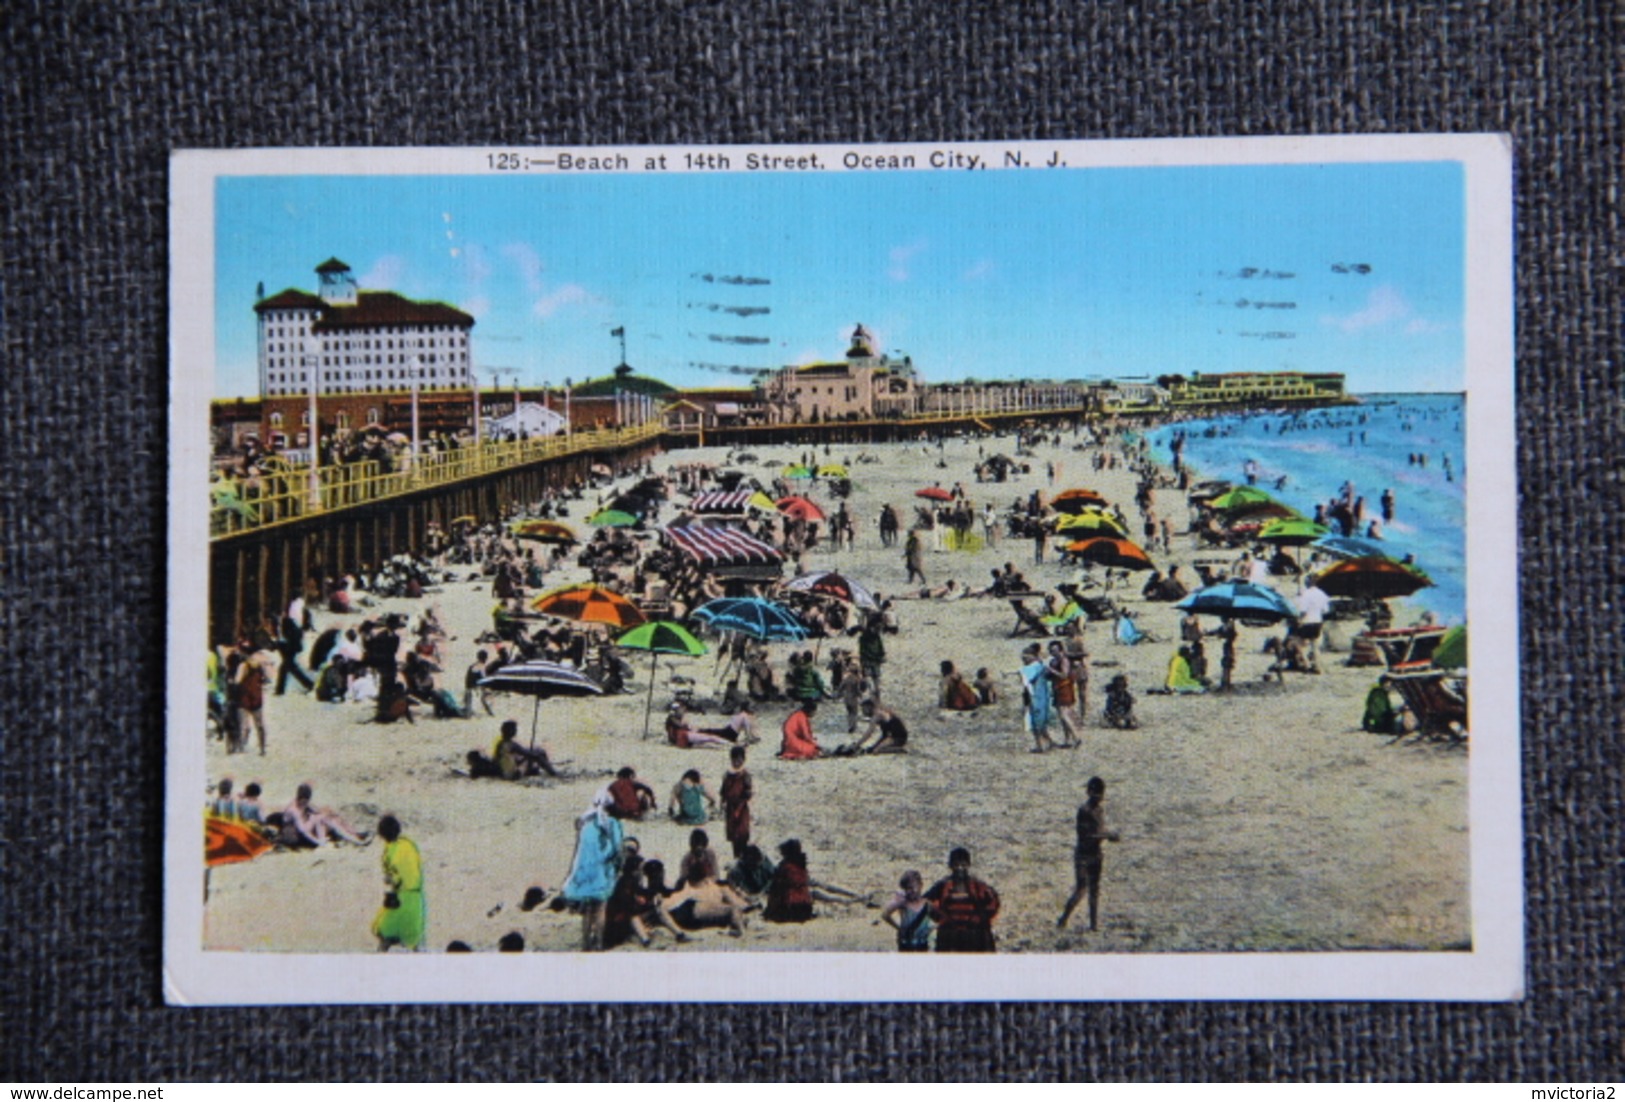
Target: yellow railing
[{"x": 283, "y": 493}]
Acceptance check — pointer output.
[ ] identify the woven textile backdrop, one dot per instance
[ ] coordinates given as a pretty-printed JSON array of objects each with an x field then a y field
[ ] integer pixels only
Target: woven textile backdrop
[{"x": 98, "y": 94}]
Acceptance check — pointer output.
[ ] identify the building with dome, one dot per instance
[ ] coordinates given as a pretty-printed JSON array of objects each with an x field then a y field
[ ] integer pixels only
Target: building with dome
[{"x": 865, "y": 385}]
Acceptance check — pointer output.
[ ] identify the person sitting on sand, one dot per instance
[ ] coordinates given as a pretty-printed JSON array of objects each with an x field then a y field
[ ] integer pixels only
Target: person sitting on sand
[
  {"x": 954, "y": 693},
  {"x": 684, "y": 737},
  {"x": 1181, "y": 679},
  {"x": 706, "y": 904},
  {"x": 690, "y": 800},
  {"x": 752, "y": 873},
  {"x": 633, "y": 908},
  {"x": 740, "y": 730},
  {"x": 510, "y": 761},
  {"x": 799, "y": 743},
  {"x": 909, "y": 913},
  {"x": 700, "y": 863},
  {"x": 633, "y": 799},
  {"x": 1380, "y": 717},
  {"x": 760, "y": 680},
  {"x": 789, "y": 896},
  {"x": 885, "y": 726},
  {"x": 1120, "y": 704},
  {"x": 986, "y": 688},
  {"x": 307, "y": 826},
  {"x": 1128, "y": 632}
]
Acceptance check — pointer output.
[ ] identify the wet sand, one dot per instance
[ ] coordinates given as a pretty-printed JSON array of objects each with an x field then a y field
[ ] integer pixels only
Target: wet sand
[{"x": 1259, "y": 820}]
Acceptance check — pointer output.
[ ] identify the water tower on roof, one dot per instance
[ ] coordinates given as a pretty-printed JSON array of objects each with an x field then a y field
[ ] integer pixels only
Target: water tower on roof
[{"x": 338, "y": 287}]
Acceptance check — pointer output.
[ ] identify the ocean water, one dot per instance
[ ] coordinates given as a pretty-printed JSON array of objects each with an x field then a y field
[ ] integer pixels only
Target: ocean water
[{"x": 1316, "y": 451}]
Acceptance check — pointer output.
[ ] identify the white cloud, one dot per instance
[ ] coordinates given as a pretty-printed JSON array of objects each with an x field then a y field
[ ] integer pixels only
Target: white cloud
[
  {"x": 479, "y": 306},
  {"x": 1383, "y": 306},
  {"x": 979, "y": 271},
  {"x": 476, "y": 264},
  {"x": 571, "y": 294},
  {"x": 528, "y": 262},
  {"x": 902, "y": 257},
  {"x": 385, "y": 274}
]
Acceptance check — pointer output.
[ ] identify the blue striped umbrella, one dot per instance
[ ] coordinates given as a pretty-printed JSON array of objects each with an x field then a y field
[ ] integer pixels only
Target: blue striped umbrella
[{"x": 1239, "y": 600}]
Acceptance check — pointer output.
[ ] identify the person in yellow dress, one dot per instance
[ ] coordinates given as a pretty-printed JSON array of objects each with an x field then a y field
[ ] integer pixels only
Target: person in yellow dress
[{"x": 403, "y": 919}]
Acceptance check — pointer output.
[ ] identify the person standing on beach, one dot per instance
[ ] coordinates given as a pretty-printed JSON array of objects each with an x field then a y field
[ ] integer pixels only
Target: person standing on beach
[
  {"x": 403, "y": 920},
  {"x": 1086, "y": 855},
  {"x": 872, "y": 650},
  {"x": 963, "y": 908},
  {"x": 737, "y": 790},
  {"x": 1064, "y": 689},
  {"x": 913, "y": 557},
  {"x": 1037, "y": 697},
  {"x": 594, "y": 868}
]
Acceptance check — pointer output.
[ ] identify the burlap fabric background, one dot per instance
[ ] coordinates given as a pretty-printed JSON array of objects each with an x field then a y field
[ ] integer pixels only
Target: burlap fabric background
[{"x": 97, "y": 94}]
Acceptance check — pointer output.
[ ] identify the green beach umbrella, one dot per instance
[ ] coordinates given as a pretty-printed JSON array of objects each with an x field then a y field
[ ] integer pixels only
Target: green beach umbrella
[
  {"x": 659, "y": 637},
  {"x": 1292, "y": 532},
  {"x": 612, "y": 518},
  {"x": 1238, "y": 496},
  {"x": 796, "y": 470},
  {"x": 1451, "y": 652}
]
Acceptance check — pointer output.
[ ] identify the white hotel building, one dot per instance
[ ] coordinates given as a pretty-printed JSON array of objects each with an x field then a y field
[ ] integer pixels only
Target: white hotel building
[{"x": 359, "y": 341}]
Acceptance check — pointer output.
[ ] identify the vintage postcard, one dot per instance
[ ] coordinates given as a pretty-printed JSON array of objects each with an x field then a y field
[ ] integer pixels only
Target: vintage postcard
[{"x": 918, "y": 572}]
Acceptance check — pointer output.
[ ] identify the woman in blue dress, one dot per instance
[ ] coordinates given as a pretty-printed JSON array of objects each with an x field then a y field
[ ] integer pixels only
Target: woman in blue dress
[
  {"x": 594, "y": 868},
  {"x": 1037, "y": 696}
]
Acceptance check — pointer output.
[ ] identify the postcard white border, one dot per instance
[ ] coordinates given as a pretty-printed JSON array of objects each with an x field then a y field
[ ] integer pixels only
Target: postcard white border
[{"x": 1492, "y": 971}]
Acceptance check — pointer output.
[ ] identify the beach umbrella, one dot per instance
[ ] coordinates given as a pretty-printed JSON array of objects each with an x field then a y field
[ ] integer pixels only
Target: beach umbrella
[
  {"x": 799, "y": 507},
  {"x": 543, "y": 681},
  {"x": 1377, "y": 578},
  {"x": 935, "y": 493},
  {"x": 759, "y": 500},
  {"x": 745, "y": 457},
  {"x": 752, "y": 616},
  {"x": 1091, "y": 522},
  {"x": 612, "y": 518},
  {"x": 1239, "y": 600},
  {"x": 1108, "y": 551},
  {"x": 464, "y": 520},
  {"x": 1207, "y": 491},
  {"x": 1292, "y": 532},
  {"x": 588, "y": 603},
  {"x": 1076, "y": 501},
  {"x": 796, "y": 470},
  {"x": 1258, "y": 513},
  {"x": 659, "y": 637},
  {"x": 1353, "y": 547},
  {"x": 1451, "y": 652},
  {"x": 1239, "y": 495},
  {"x": 544, "y": 531},
  {"x": 830, "y": 583},
  {"x": 832, "y": 470},
  {"x": 228, "y": 842}
]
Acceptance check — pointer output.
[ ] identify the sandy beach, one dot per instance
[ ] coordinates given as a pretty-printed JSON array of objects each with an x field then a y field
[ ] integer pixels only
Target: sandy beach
[{"x": 1263, "y": 819}]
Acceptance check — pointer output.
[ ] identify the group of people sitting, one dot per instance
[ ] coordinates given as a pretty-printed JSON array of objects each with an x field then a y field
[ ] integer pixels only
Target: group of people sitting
[{"x": 300, "y": 825}]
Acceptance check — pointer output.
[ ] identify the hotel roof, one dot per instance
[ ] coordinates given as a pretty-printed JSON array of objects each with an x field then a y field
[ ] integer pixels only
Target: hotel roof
[{"x": 372, "y": 309}]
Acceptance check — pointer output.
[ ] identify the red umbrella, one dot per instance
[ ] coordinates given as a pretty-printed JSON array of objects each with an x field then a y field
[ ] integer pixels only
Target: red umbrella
[
  {"x": 935, "y": 493},
  {"x": 799, "y": 507}
]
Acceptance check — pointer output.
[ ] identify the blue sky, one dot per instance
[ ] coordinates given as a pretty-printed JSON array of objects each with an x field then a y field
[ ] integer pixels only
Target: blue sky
[{"x": 1035, "y": 273}]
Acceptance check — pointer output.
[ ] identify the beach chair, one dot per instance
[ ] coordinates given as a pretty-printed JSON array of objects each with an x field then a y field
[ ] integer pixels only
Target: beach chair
[
  {"x": 1440, "y": 710},
  {"x": 1056, "y": 623},
  {"x": 1028, "y": 622}
]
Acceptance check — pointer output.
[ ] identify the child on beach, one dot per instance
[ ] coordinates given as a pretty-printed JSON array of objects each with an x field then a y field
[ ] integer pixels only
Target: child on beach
[
  {"x": 1086, "y": 855},
  {"x": 737, "y": 790},
  {"x": 689, "y": 799},
  {"x": 1120, "y": 705}
]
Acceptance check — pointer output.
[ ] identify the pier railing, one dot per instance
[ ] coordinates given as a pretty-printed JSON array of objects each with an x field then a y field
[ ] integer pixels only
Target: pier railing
[{"x": 283, "y": 493}]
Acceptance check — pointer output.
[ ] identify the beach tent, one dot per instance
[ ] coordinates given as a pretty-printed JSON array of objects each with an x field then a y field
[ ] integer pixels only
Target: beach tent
[
  {"x": 729, "y": 503},
  {"x": 727, "y": 552}
]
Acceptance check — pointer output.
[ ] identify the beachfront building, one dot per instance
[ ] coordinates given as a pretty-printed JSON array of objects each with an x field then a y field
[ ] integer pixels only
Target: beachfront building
[
  {"x": 701, "y": 408},
  {"x": 974, "y": 399},
  {"x": 1132, "y": 397},
  {"x": 862, "y": 387},
  {"x": 343, "y": 339},
  {"x": 1254, "y": 388}
]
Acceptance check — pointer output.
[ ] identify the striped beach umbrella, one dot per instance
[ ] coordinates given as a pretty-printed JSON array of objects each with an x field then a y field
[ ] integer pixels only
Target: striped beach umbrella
[
  {"x": 830, "y": 583},
  {"x": 589, "y": 604},
  {"x": 1239, "y": 600},
  {"x": 1119, "y": 554}
]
